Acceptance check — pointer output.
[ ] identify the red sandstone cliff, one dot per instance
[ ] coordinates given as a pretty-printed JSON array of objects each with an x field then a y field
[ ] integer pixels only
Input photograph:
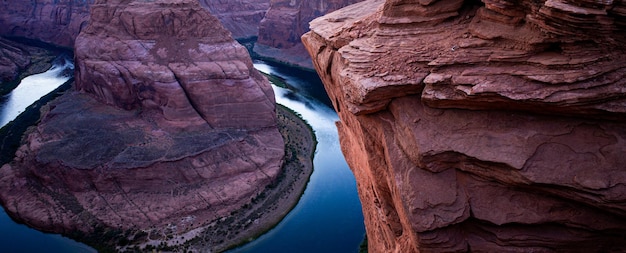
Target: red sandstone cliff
[
  {"x": 285, "y": 22},
  {"x": 171, "y": 128},
  {"x": 493, "y": 126}
]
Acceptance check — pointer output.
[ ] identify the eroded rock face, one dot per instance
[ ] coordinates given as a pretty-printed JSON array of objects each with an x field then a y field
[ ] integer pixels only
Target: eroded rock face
[
  {"x": 60, "y": 22},
  {"x": 170, "y": 129},
  {"x": 159, "y": 59},
  {"x": 285, "y": 22},
  {"x": 241, "y": 17},
  {"x": 486, "y": 126},
  {"x": 55, "y": 22},
  {"x": 13, "y": 59}
]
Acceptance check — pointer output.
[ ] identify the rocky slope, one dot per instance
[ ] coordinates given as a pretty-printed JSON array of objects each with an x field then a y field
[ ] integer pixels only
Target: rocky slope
[
  {"x": 492, "y": 126},
  {"x": 171, "y": 129},
  {"x": 285, "y": 22}
]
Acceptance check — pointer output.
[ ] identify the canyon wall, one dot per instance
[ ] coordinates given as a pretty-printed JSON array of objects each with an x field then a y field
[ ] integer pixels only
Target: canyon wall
[
  {"x": 59, "y": 22},
  {"x": 170, "y": 129},
  {"x": 241, "y": 17},
  {"x": 13, "y": 60},
  {"x": 489, "y": 126},
  {"x": 55, "y": 22},
  {"x": 285, "y": 22}
]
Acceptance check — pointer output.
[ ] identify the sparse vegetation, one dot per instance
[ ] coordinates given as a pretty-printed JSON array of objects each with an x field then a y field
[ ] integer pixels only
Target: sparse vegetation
[{"x": 262, "y": 213}]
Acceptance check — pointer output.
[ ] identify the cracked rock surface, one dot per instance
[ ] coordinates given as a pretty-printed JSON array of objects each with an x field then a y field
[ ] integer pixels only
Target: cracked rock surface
[{"x": 489, "y": 126}]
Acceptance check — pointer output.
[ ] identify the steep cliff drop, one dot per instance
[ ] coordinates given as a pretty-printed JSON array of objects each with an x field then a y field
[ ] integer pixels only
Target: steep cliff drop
[
  {"x": 170, "y": 129},
  {"x": 493, "y": 126},
  {"x": 285, "y": 22}
]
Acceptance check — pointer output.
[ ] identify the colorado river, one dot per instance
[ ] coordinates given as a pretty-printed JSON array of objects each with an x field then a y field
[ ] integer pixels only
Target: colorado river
[{"x": 328, "y": 217}]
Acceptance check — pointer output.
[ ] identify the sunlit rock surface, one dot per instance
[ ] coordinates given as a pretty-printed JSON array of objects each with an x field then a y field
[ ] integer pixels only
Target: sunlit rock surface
[{"x": 493, "y": 126}]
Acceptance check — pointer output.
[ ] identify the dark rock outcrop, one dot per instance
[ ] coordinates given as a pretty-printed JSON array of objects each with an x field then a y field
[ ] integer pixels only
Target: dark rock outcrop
[
  {"x": 55, "y": 22},
  {"x": 285, "y": 22},
  {"x": 170, "y": 129},
  {"x": 493, "y": 126},
  {"x": 13, "y": 59}
]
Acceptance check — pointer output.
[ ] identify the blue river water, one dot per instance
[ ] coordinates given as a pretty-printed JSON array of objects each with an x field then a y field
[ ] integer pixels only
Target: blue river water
[{"x": 328, "y": 217}]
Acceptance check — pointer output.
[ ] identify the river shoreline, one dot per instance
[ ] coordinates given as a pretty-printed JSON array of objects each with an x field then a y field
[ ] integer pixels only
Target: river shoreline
[
  {"x": 41, "y": 57},
  {"x": 242, "y": 226},
  {"x": 278, "y": 199}
]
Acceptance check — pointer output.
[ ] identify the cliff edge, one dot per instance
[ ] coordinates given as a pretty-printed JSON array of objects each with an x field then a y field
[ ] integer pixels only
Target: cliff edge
[{"x": 493, "y": 126}]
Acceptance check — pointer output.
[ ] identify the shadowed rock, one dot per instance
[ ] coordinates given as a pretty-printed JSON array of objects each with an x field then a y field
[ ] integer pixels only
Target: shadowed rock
[
  {"x": 285, "y": 22},
  {"x": 170, "y": 129}
]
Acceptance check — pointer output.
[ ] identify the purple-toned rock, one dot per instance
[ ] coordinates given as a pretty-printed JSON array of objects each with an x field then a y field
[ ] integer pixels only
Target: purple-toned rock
[
  {"x": 13, "y": 59},
  {"x": 240, "y": 17},
  {"x": 60, "y": 22},
  {"x": 285, "y": 22},
  {"x": 170, "y": 129},
  {"x": 57, "y": 22}
]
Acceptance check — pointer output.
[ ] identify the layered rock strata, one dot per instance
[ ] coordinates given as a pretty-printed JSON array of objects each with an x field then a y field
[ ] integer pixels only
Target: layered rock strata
[
  {"x": 241, "y": 17},
  {"x": 55, "y": 22},
  {"x": 170, "y": 129},
  {"x": 285, "y": 22},
  {"x": 493, "y": 126},
  {"x": 60, "y": 22}
]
